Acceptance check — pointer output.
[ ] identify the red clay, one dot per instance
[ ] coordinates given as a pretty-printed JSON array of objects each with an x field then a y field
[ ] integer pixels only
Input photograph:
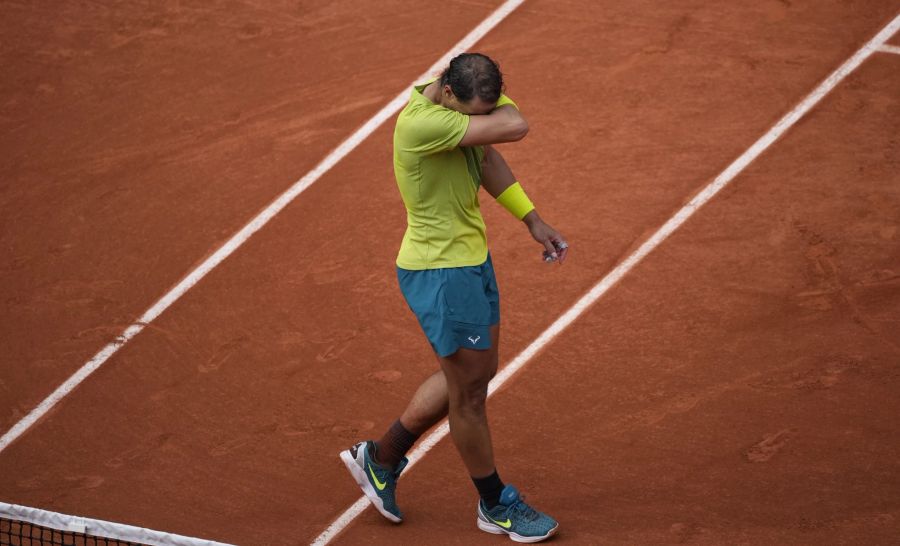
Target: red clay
[
  {"x": 136, "y": 140},
  {"x": 736, "y": 387}
]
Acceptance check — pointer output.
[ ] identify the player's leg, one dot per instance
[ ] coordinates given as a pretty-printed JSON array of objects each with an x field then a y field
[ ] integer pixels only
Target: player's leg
[
  {"x": 376, "y": 465},
  {"x": 467, "y": 373},
  {"x": 500, "y": 509},
  {"x": 427, "y": 406}
]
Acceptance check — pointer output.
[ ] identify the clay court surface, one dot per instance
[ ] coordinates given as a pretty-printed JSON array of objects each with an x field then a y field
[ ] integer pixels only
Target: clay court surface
[{"x": 738, "y": 386}]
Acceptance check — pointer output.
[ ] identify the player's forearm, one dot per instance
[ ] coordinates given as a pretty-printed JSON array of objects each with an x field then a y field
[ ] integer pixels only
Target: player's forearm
[{"x": 496, "y": 175}]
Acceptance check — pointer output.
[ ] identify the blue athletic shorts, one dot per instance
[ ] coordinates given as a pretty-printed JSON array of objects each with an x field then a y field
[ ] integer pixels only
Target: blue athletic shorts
[{"x": 455, "y": 305}]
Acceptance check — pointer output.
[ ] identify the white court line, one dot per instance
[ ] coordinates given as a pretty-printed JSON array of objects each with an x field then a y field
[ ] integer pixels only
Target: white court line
[
  {"x": 255, "y": 224},
  {"x": 629, "y": 263},
  {"x": 890, "y": 49}
]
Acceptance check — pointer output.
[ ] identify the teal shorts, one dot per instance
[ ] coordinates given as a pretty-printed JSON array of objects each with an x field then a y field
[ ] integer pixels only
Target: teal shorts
[{"x": 456, "y": 306}]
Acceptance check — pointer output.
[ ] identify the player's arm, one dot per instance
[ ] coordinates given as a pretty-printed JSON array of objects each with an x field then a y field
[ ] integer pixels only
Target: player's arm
[
  {"x": 499, "y": 181},
  {"x": 503, "y": 124}
]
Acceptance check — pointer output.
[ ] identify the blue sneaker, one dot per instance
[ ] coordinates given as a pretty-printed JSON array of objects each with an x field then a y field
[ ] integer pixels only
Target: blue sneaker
[
  {"x": 377, "y": 482},
  {"x": 515, "y": 518}
]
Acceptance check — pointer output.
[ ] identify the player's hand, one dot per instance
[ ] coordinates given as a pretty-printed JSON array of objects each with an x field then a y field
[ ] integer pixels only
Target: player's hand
[{"x": 555, "y": 246}]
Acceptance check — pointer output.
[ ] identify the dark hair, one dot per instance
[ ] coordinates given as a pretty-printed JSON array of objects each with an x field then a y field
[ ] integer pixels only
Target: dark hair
[{"x": 473, "y": 74}]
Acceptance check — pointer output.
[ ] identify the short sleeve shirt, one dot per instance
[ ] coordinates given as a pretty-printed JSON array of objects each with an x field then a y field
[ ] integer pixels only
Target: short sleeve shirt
[{"x": 438, "y": 181}]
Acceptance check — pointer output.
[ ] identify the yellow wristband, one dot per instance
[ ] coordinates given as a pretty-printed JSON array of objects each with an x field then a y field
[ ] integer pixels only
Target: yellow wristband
[
  {"x": 515, "y": 201},
  {"x": 504, "y": 100}
]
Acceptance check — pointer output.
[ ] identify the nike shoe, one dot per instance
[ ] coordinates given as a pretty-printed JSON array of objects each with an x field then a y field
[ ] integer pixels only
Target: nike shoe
[
  {"x": 379, "y": 483},
  {"x": 515, "y": 518}
]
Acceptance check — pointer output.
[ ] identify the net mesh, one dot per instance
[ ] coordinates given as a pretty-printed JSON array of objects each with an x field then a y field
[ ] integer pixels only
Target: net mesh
[
  {"x": 22, "y": 533},
  {"x": 27, "y": 526}
]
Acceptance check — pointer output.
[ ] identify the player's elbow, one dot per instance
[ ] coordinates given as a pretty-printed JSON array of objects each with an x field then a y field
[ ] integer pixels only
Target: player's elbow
[{"x": 518, "y": 130}]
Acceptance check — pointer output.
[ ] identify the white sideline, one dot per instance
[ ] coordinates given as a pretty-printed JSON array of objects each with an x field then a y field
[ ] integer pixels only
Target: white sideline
[
  {"x": 247, "y": 231},
  {"x": 100, "y": 528},
  {"x": 890, "y": 49},
  {"x": 631, "y": 261}
]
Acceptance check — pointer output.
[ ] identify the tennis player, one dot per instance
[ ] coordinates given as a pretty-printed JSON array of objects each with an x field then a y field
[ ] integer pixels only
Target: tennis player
[{"x": 442, "y": 155}]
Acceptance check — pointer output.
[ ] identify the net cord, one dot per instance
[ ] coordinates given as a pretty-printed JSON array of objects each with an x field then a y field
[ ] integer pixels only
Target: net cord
[{"x": 100, "y": 528}]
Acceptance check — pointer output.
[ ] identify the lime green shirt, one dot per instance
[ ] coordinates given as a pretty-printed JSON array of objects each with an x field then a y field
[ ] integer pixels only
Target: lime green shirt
[{"x": 439, "y": 183}]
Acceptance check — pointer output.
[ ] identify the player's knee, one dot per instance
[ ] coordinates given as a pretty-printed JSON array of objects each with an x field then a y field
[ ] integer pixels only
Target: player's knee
[
  {"x": 474, "y": 406},
  {"x": 472, "y": 399}
]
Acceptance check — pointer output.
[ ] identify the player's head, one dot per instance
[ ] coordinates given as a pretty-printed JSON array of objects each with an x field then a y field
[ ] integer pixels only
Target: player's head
[{"x": 471, "y": 84}]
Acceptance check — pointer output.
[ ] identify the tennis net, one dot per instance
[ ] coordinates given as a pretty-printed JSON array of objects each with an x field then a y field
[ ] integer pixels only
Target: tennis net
[{"x": 25, "y": 526}]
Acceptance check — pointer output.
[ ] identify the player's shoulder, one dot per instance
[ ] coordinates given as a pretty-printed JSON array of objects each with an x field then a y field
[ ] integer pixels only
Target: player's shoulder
[{"x": 426, "y": 116}]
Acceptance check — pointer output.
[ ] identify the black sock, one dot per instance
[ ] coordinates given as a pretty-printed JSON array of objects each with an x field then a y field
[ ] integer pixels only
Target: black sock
[
  {"x": 394, "y": 445},
  {"x": 489, "y": 488}
]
